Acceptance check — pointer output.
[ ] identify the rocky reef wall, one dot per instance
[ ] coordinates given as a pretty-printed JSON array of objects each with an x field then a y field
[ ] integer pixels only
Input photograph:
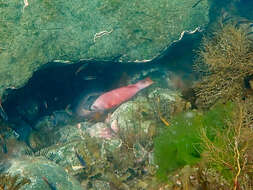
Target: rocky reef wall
[{"x": 36, "y": 32}]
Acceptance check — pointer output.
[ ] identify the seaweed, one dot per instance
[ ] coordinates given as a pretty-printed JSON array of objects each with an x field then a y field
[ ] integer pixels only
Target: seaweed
[
  {"x": 225, "y": 61},
  {"x": 196, "y": 177},
  {"x": 181, "y": 143},
  {"x": 175, "y": 146},
  {"x": 122, "y": 159},
  {"x": 8, "y": 182},
  {"x": 230, "y": 150}
]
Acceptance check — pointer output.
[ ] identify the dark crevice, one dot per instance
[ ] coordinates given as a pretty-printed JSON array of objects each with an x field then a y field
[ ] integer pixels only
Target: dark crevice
[{"x": 59, "y": 86}]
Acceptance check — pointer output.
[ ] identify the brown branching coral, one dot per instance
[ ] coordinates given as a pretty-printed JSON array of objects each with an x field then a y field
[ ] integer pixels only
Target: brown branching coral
[
  {"x": 230, "y": 152},
  {"x": 8, "y": 182},
  {"x": 225, "y": 60}
]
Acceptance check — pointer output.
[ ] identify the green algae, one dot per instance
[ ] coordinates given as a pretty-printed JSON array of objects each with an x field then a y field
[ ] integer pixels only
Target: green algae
[
  {"x": 180, "y": 144},
  {"x": 229, "y": 149}
]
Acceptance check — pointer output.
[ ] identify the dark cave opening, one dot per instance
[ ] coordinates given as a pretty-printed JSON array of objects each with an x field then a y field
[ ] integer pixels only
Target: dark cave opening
[
  {"x": 55, "y": 90},
  {"x": 59, "y": 86}
]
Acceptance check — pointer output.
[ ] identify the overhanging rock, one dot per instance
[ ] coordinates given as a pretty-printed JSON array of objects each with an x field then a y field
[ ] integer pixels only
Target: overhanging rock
[{"x": 34, "y": 32}]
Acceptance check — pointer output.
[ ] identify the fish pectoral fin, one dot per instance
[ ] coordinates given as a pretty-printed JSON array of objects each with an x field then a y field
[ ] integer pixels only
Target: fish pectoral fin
[{"x": 86, "y": 112}]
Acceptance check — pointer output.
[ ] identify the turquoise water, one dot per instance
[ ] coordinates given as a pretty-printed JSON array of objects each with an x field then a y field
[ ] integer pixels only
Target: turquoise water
[{"x": 57, "y": 58}]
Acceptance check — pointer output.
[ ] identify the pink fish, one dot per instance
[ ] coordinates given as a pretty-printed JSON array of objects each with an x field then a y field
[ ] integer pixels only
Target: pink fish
[
  {"x": 117, "y": 96},
  {"x": 108, "y": 101}
]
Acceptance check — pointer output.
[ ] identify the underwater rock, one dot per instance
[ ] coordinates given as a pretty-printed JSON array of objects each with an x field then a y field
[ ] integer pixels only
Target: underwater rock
[
  {"x": 45, "y": 123},
  {"x": 37, "y": 32},
  {"x": 48, "y": 134},
  {"x": 80, "y": 158},
  {"x": 130, "y": 112},
  {"x": 37, "y": 170},
  {"x": 45, "y": 132},
  {"x": 22, "y": 128},
  {"x": 10, "y": 146},
  {"x": 69, "y": 139},
  {"x": 64, "y": 154},
  {"x": 14, "y": 149},
  {"x": 45, "y": 138},
  {"x": 100, "y": 130},
  {"x": 57, "y": 143},
  {"x": 7, "y": 132},
  {"x": 98, "y": 185},
  {"x": 50, "y": 122},
  {"x": 115, "y": 153},
  {"x": 71, "y": 132},
  {"x": 39, "y": 140}
]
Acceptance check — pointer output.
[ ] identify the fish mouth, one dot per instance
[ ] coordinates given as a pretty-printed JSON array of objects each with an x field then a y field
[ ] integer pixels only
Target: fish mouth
[
  {"x": 85, "y": 112},
  {"x": 94, "y": 108}
]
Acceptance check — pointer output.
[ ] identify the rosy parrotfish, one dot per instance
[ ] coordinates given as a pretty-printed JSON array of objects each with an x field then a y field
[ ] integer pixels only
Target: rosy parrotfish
[
  {"x": 117, "y": 96},
  {"x": 108, "y": 101}
]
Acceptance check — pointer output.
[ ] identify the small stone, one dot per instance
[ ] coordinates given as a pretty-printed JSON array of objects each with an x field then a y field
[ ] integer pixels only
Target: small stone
[
  {"x": 36, "y": 169},
  {"x": 178, "y": 182}
]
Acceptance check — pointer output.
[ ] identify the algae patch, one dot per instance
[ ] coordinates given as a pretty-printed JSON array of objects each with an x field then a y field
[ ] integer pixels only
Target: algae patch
[{"x": 180, "y": 144}]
